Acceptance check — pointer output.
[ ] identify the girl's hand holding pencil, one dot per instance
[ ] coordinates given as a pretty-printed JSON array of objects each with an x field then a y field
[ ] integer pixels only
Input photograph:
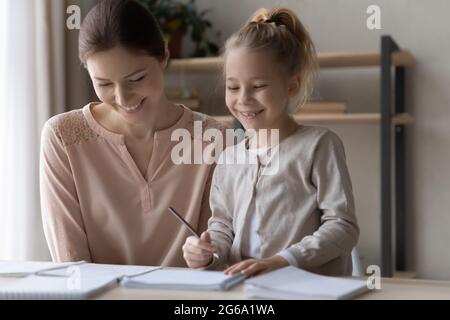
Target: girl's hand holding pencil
[{"x": 198, "y": 252}]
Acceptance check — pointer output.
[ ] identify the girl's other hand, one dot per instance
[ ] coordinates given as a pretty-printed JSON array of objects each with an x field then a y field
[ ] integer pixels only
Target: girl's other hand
[{"x": 252, "y": 267}]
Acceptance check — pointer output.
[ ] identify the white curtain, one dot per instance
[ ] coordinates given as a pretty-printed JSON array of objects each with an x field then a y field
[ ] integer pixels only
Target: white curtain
[{"x": 31, "y": 90}]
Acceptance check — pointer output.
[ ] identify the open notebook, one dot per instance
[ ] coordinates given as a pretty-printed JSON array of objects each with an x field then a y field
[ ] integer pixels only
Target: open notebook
[
  {"x": 183, "y": 279},
  {"x": 294, "y": 283},
  {"x": 81, "y": 280}
]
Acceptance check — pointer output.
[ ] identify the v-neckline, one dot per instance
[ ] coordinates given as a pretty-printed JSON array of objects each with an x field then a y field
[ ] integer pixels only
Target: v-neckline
[
  {"x": 117, "y": 138},
  {"x": 145, "y": 178}
]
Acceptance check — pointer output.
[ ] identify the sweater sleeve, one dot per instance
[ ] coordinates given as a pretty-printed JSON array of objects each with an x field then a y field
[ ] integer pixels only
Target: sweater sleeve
[
  {"x": 61, "y": 214},
  {"x": 205, "y": 209},
  {"x": 220, "y": 226},
  {"x": 338, "y": 232}
]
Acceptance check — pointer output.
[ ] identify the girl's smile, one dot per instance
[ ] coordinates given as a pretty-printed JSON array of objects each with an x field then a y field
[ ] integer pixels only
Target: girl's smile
[{"x": 250, "y": 115}]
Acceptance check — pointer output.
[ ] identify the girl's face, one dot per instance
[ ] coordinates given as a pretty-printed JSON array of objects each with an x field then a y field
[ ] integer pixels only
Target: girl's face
[
  {"x": 130, "y": 82},
  {"x": 257, "y": 89}
]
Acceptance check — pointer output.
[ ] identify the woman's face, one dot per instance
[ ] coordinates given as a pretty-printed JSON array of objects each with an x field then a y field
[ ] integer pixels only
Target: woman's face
[{"x": 131, "y": 82}]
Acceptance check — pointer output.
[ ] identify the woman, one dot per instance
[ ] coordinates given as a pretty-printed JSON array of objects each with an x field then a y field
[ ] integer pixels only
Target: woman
[{"x": 107, "y": 177}]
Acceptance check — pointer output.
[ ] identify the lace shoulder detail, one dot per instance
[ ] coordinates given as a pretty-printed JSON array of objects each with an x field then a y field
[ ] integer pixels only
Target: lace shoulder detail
[
  {"x": 209, "y": 122},
  {"x": 72, "y": 128}
]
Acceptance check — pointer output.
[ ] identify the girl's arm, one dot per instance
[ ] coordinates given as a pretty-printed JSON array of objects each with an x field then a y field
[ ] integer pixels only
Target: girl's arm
[
  {"x": 61, "y": 214},
  {"x": 205, "y": 209},
  {"x": 339, "y": 231},
  {"x": 220, "y": 226}
]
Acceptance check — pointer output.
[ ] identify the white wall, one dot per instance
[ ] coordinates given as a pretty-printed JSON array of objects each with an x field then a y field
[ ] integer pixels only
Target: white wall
[
  {"x": 340, "y": 25},
  {"x": 78, "y": 85}
]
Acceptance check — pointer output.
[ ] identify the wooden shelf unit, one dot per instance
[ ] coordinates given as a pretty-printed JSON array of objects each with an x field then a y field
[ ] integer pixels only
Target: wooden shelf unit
[
  {"x": 349, "y": 118},
  {"x": 326, "y": 60}
]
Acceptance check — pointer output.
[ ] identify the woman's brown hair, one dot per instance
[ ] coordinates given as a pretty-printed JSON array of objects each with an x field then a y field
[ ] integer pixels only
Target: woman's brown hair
[
  {"x": 280, "y": 31},
  {"x": 120, "y": 22}
]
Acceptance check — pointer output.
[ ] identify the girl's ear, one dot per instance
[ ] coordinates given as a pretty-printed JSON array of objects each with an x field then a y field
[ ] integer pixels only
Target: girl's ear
[{"x": 295, "y": 84}]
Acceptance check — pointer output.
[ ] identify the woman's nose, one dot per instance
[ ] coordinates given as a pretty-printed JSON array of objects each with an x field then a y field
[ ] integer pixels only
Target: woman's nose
[{"x": 122, "y": 96}]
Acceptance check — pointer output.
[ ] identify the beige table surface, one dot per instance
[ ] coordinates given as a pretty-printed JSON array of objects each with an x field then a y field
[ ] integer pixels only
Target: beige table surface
[{"x": 391, "y": 288}]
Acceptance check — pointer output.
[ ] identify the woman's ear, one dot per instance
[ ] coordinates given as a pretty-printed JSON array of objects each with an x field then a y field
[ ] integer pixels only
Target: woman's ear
[
  {"x": 295, "y": 83},
  {"x": 166, "y": 58}
]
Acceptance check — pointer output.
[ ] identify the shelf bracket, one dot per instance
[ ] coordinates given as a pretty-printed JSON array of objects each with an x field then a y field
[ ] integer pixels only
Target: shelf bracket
[{"x": 388, "y": 46}]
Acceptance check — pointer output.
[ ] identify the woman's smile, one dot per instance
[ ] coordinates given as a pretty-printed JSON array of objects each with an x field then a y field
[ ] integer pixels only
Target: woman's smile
[{"x": 134, "y": 109}]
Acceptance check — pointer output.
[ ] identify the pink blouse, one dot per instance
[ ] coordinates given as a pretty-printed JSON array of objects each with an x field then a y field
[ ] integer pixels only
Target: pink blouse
[{"x": 98, "y": 207}]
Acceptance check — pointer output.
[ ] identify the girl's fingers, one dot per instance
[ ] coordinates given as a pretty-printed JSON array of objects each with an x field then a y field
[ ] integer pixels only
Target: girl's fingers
[
  {"x": 197, "y": 259},
  {"x": 196, "y": 252},
  {"x": 205, "y": 237},
  {"x": 254, "y": 269},
  {"x": 196, "y": 242},
  {"x": 238, "y": 267},
  {"x": 193, "y": 260},
  {"x": 230, "y": 269}
]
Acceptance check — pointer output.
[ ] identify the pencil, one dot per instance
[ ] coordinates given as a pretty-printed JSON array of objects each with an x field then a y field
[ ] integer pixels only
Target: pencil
[{"x": 187, "y": 225}]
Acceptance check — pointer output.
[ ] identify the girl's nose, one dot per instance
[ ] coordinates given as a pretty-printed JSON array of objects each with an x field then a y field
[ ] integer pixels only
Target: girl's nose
[{"x": 245, "y": 98}]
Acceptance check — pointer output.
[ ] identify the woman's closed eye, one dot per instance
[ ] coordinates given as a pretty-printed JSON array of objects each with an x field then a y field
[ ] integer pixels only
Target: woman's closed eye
[
  {"x": 138, "y": 79},
  {"x": 107, "y": 84}
]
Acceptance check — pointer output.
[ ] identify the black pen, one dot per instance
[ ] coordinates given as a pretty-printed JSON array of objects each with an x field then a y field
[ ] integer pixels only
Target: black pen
[{"x": 187, "y": 225}]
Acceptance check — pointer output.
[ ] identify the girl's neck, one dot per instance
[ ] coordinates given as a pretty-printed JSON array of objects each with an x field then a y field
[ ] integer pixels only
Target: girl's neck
[{"x": 266, "y": 137}]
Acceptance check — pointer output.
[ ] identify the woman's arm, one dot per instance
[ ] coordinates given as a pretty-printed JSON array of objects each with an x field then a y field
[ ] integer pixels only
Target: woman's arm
[{"x": 61, "y": 214}]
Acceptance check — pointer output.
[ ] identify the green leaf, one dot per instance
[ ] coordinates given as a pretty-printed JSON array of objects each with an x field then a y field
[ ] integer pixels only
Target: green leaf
[{"x": 182, "y": 16}]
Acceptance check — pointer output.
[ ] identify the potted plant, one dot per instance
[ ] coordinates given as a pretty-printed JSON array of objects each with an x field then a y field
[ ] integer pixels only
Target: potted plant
[{"x": 178, "y": 18}]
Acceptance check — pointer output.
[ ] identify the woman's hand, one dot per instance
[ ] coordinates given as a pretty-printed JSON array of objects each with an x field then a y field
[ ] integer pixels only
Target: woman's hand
[
  {"x": 198, "y": 252},
  {"x": 253, "y": 267}
]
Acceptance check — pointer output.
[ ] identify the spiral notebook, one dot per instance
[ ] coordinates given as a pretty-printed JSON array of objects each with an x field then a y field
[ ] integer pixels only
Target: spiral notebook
[
  {"x": 81, "y": 280},
  {"x": 47, "y": 280},
  {"x": 294, "y": 283}
]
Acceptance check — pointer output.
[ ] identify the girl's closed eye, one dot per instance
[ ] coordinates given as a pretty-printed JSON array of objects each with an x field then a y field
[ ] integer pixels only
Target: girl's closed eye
[
  {"x": 104, "y": 84},
  {"x": 232, "y": 88},
  {"x": 260, "y": 86}
]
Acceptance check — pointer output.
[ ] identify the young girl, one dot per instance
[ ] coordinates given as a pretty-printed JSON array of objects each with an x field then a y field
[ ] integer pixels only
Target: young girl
[{"x": 303, "y": 213}]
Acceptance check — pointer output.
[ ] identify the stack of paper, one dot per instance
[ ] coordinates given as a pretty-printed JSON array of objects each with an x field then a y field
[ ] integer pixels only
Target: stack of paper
[
  {"x": 183, "y": 279},
  {"x": 294, "y": 283}
]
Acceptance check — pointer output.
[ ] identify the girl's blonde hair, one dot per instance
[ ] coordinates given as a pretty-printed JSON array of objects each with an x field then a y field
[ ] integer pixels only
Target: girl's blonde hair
[{"x": 280, "y": 31}]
